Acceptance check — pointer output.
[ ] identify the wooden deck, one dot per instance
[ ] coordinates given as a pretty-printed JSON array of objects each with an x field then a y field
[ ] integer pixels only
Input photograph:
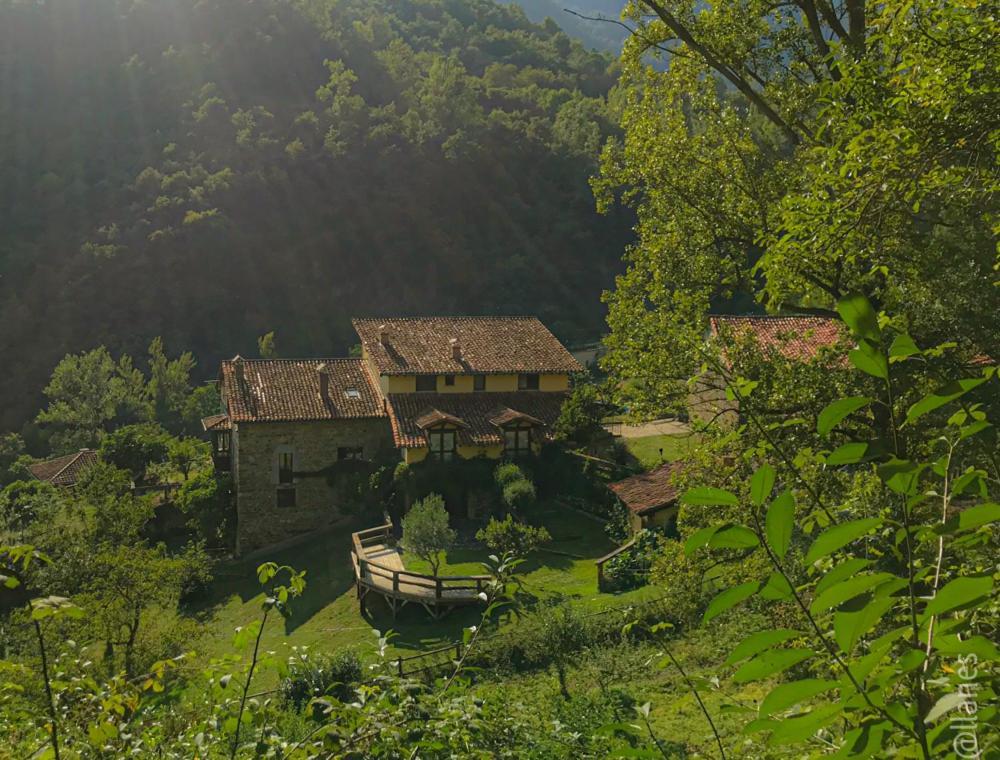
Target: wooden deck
[{"x": 378, "y": 568}]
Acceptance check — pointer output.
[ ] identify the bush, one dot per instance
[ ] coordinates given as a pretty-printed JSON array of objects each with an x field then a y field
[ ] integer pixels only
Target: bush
[
  {"x": 508, "y": 535},
  {"x": 312, "y": 676},
  {"x": 630, "y": 569},
  {"x": 205, "y": 500},
  {"x": 507, "y": 473},
  {"x": 519, "y": 495}
]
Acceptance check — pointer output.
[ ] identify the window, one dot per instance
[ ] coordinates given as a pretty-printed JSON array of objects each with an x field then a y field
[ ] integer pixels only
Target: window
[
  {"x": 527, "y": 382},
  {"x": 449, "y": 379},
  {"x": 442, "y": 444},
  {"x": 352, "y": 393},
  {"x": 350, "y": 452},
  {"x": 427, "y": 383},
  {"x": 479, "y": 382},
  {"x": 286, "y": 472},
  {"x": 222, "y": 441},
  {"x": 286, "y": 497},
  {"x": 517, "y": 440}
]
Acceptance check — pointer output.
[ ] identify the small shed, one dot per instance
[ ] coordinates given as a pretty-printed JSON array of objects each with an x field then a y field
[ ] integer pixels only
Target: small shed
[
  {"x": 650, "y": 497},
  {"x": 63, "y": 471}
]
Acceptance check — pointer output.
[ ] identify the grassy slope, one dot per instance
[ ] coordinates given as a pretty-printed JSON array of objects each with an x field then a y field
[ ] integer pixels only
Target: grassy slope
[{"x": 327, "y": 616}]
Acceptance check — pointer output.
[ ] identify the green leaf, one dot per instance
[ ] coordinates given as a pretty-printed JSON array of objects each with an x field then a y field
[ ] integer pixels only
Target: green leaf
[
  {"x": 975, "y": 517},
  {"x": 849, "y": 627},
  {"x": 779, "y": 523},
  {"x": 709, "y": 496},
  {"x": 870, "y": 360},
  {"x": 789, "y": 694},
  {"x": 946, "y": 704},
  {"x": 845, "y": 569},
  {"x": 980, "y": 646},
  {"x": 849, "y": 453},
  {"x": 839, "y": 536},
  {"x": 777, "y": 589},
  {"x": 837, "y": 411},
  {"x": 730, "y": 598},
  {"x": 803, "y": 727},
  {"x": 901, "y": 475},
  {"x": 942, "y": 396},
  {"x": 700, "y": 538},
  {"x": 734, "y": 537},
  {"x": 849, "y": 589},
  {"x": 859, "y": 315},
  {"x": 771, "y": 662},
  {"x": 761, "y": 484},
  {"x": 958, "y": 593},
  {"x": 758, "y": 642},
  {"x": 902, "y": 348}
]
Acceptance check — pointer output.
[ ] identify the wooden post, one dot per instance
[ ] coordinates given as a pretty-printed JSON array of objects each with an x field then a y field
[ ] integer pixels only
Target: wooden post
[
  {"x": 600, "y": 576},
  {"x": 437, "y": 588},
  {"x": 399, "y": 666},
  {"x": 395, "y": 582}
]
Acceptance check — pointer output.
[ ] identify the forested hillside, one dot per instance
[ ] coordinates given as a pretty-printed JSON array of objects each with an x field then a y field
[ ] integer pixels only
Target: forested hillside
[
  {"x": 567, "y": 14},
  {"x": 209, "y": 171}
]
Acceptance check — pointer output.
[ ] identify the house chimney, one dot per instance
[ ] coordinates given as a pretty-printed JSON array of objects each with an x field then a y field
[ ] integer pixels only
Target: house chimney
[
  {"x": 383, "y": 335},
  {"x": 238, "y": 367},
  {"x": 324, "y": 381},
  {"x": 456, "y": 349}
]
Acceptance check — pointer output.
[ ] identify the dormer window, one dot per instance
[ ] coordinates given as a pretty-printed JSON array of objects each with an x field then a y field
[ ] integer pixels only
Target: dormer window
[
  {"x": 441, "y": 442},
  {"x": 352, "y": 393},
  {"x": 479, "y": 382},
  {"x": 426, "y": 383},
  {"x": 527, "y": 382},
  {"x": 517, "y": 440}
]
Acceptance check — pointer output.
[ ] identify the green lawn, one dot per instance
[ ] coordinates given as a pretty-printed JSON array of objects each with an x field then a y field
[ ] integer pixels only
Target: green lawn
[
  {"x": 647, "y": 449},
  {"x": 327, "y": 618}
]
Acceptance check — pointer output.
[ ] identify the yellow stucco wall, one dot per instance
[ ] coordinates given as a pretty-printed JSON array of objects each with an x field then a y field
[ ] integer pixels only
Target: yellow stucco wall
[
  {"x": 464, "y": 383},
  {"x": 412, "y": 456}
]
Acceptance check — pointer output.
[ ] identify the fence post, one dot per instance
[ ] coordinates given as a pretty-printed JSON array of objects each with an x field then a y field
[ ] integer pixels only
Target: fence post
[
  {"x": 600, "y": 576},
  {"x": 437, "y": 588},
  {"x": 395, "y": 582},
  {"x": 399, "y": 666}
]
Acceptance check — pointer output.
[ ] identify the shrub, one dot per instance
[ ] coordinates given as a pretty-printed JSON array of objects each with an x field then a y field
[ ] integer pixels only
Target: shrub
[
  {"x": 205, "y": 500},
  {"x": 519, "y": 495},
  {"x": 508, "y": 535},
  {"x": 507, "y": 473},
  {"x": 630, "y": 569},
  {"x": 320, "y": 675}
]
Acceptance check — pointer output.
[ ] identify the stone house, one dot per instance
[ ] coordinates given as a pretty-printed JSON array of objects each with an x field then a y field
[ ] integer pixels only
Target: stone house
[
  {"x": 650, "y": 497},
  {"x": 444, "y": 388}
]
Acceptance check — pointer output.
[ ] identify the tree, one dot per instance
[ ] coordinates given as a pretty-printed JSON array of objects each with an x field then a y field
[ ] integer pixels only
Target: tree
[
  {"x": 205, "y": 499},
  {"x": 509, "y": 535},
  {"x": 23, "y": 501},
  {"x": 12, "y": 466},
  {"x": 169, "y": 385},
  {"x": 426, "y": 532},
  {"x": 581, "y": 417},
  {"x": 134, "y": 448},
  {"x": 88, "y": 394},
  {"x": 202, "y": 402},
  {"x": 790, "y": 156},
  {"x": 184, "y": 454},
  {"x": 266, "y": 346}
]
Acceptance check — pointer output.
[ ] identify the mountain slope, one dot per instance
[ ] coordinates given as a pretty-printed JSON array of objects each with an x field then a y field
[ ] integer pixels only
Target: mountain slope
[{"x": 211, "y": 170}]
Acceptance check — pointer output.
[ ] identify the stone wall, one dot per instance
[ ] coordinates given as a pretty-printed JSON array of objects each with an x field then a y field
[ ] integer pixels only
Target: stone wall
[{"x": 313, "y": 444}]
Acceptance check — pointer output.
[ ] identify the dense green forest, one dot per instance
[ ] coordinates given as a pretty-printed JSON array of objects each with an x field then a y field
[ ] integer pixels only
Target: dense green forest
[
  {"x": 210, "y": 171},
  {"x": 597, "y": 34}
]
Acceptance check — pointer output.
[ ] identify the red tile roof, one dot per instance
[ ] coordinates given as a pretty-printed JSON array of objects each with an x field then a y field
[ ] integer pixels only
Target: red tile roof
[
  {"x": 481, "y": 413},
  {"x": 64, "y": 470},
  {"x": 648, "y": 491},
  {"x": 487, "y": 345},
  {"x": 794, "y": 337},
  {"x": 289, "y": 390},
  {"x": 215, "y": 422}
]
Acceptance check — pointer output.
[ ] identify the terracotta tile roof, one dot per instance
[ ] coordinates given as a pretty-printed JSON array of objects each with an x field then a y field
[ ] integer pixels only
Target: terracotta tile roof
[
  {"x": 215, "y": 422},
  {"x": 795, "y": 337},
  {"x": 289, "y": 389},
  {"x": 648, "y": 491},
  {"x": 478, "y": 411},
  {"x": 488, "y": 345},
  {"x": 64, "y": 470}
]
